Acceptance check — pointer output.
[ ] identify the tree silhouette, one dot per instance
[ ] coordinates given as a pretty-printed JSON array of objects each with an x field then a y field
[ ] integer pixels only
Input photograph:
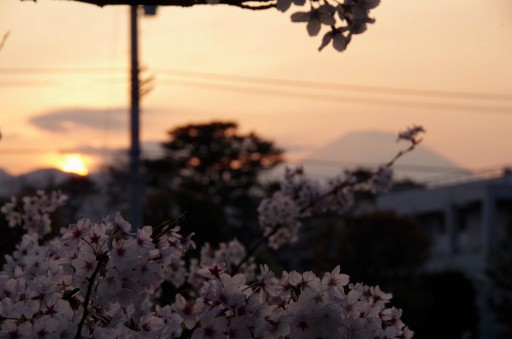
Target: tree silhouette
[
  {"x": 439, "y": 305},
  {"x": 499, "y": 297},
  {"x": 382, "y": 247},
  {"x": 210, "y": 166},
  {"x": 390, "y": 250},
  {"x": 213, "y": 156},
  {"x": 343, "y": 18}
]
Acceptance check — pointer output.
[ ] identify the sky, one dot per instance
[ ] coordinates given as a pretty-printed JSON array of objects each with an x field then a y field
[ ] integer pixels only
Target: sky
[{"x": 442, "y": 64}]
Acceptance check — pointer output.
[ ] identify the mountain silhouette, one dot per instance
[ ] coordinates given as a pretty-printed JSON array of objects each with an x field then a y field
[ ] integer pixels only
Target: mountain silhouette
[
  {"x": 369, "y": 149},
  {"x": 39, "y": 179}
]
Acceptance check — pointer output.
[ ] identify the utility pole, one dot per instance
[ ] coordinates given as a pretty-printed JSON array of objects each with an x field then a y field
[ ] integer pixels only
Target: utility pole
[{"x": 136, "y": 187}]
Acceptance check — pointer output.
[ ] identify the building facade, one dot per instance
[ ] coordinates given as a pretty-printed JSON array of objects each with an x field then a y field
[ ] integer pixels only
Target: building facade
[{"x": 466, "y": 222}]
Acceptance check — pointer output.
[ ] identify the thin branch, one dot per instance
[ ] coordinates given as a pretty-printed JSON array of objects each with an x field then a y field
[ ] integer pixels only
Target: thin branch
[
  {"x": 102, "y": 259},
  {"x": 252, "y": 4},
  {"x": 254, "y": 247},
  {"x": 333, "y": 191},
  {"x": 258, "y": 7},
  {"x": 414, "y": 143}
]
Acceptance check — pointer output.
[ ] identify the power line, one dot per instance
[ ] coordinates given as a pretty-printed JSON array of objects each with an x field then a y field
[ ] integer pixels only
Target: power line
[
  {"x": 338, "y": 86},
  {"x": 272, "y": 81},
  {"x": 408, "y": 167},
  {"x": 60, "y": 70},
  {"x": 344, "y": 99},
  {"x": 58, "y": 84},
  {"x": 24, "y": 83},
  {"x": 25, "y": 151},
  {"x": 291, "y": 84}
]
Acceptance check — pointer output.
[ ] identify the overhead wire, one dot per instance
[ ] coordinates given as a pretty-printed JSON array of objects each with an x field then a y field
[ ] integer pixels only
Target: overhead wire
[
  {"x": 337, "y": 86},
  {"x": 59, "y": 84},
  {"x": 408, "y": 167},
  {"x": 294, "y": 89},
  {"x": 59, "y": 70},
  {"x": 267, "y": 86},
  {"x": 28, "y": 83},
  {"x": 340, "y": 98},
  {"x": 272, "y": 81}
]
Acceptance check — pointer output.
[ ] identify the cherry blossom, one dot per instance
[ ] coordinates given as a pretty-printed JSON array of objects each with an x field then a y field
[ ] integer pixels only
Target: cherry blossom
[
  {"x": 411, "y": 134},
  {"x": 338, "y": 38},
  {"x": 284, "y": 5},
  {"x": 381, "y": 181},
  {"x": 315, "y": 18},
  {"x": 34, "y": 214},
  {"x": 300, "y": 197},
  {"x": 102, "y": 279}
]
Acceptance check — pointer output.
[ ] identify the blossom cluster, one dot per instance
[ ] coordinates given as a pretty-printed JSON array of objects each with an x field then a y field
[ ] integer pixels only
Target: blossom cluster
[
  {"x": 411, "y": 134},
  {"x": 100, "y": 280},
  {"x": 32, "y": 213},
  {"x": 300, "y": 197},
  {"x": 293, "y": 306},
  {"x": 344, "y": 18},
  {"x": 229, "y": 257},
  {"x": 94, "y": 278},
  {"x": 103, "y": 280}
]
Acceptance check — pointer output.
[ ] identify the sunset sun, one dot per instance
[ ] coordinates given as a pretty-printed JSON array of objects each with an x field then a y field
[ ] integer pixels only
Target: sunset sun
[{"x": 74, "y": 163}]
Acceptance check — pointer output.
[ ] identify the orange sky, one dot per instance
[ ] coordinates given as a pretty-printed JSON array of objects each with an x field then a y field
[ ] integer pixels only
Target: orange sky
[{"x": 440, "y": 45}]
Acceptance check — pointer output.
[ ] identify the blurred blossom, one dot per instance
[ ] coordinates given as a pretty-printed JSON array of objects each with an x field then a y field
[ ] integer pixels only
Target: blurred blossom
[
  {"x": 101, "y": 280},
  {"x": 411, "y": 134}
]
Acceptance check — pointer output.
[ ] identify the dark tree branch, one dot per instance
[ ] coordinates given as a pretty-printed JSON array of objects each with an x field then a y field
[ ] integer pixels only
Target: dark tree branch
[
  {"x": 101, "y": 261},
  {"x": 252, "y": 4},
  {"x": 344, "y": 184}
]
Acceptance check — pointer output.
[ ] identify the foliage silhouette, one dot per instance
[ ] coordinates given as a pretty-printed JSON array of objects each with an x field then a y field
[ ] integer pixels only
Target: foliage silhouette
[
  {"x": 211, "y": 171},
  {"x": 382, "y": 247},
  {"x": 499, "y": 274},
  {"x": 440, "y": 305},
  {"x": 390, "y": 250}
]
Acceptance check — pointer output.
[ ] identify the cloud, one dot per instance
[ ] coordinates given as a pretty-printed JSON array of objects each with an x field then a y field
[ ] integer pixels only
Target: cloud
[{"x": 71, "y": 119}]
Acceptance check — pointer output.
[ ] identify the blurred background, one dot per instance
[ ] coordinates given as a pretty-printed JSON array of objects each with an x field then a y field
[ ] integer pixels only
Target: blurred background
[{"x": 230, "y": 97}]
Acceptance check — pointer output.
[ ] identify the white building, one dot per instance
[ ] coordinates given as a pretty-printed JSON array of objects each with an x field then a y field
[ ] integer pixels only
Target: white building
[{"x": 466, "y": 221}]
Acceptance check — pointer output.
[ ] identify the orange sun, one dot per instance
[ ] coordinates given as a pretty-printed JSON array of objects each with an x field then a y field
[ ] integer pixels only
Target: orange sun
[{"x": 74, "y": 163}]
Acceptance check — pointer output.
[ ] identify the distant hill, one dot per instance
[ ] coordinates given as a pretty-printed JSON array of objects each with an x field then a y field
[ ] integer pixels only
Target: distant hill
[
  {"x": 365, "y": 149},
  {"x": 44, "y": 177},
  {"x": 38, "y": 179},
  {"x": 4, "y": 175},
  {"x": 368, "y": 149}
]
